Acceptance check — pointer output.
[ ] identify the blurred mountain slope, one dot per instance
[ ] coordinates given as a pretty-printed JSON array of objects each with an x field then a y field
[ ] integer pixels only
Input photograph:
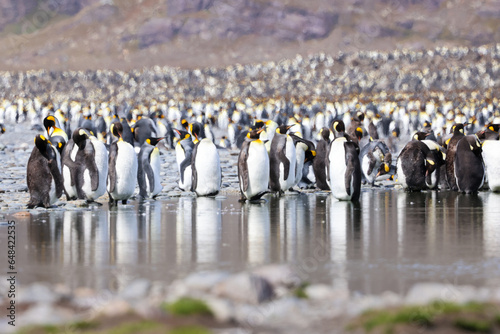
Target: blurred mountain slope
[{"x": 92, "y": 34}]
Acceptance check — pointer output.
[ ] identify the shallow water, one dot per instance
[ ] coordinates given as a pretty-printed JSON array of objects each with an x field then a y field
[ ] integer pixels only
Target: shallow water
[{"x": 389, "y": 241}]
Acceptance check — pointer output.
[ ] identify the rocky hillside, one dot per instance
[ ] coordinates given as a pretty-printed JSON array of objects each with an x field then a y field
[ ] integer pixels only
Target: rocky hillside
[{"x": 91, "y": 34}]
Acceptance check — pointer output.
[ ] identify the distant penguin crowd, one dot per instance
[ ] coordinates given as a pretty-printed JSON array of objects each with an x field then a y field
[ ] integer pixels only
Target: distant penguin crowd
[{"x": 428, "y": 142}]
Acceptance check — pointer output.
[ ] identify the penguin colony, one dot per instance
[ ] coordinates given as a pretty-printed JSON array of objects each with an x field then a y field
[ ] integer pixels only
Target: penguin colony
[
  {"x": 411, "y": 124},
  {"x": 283, "y": 146}
]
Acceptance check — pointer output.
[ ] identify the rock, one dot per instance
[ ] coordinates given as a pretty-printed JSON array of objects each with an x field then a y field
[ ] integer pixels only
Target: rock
[
  {"x": 158, "y": 30},
  {"x": 326, "y": 292},
  {"x": 175, "y": 7},
  {"x": 424, "y": 293},
  {"x": 244, "y": 288},
  {"x": 221, "y": 309},
  {"x": 137, "y": 289},
  {"x": 37, "y": 293},
  {"x": 114, "y": 308},
  {"x": 45, "y": 313},
  {"x": 204, "y": 281},
  {"x": 278, "y": 275}
]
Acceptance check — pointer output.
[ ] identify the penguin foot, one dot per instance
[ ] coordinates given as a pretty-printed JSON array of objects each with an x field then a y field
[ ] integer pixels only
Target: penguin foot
[
  {"x": 124, "y": 202},
  {"x": 91, "y": 202},
  {"x": 258, "y": 201}
]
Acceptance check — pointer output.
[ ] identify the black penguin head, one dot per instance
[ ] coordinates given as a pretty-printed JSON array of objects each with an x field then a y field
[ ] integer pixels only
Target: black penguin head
[
  {"x": 117, "y": 129},
  {"x": 49, "y": 122},
  {"x": 493, "y": 127},
  {"x": 182, "y": 134},
  {"x": 80, "y": 137},
  {"x": 2, "y": 128},
  {"x": 153, "y": 141},
  {"x": 338, "y": 126},
  {"x": 254, "y": 132},
  {"x": 458, "y": 128},
  {"x": 259, "y": 124},
  {"x": 427, "y": 124},
  {"x": 43, "y": 145},
  {"x": 185, "y": 123},
  {"x": 282, "y": 129},
  {"x": 420, "y": 135}
]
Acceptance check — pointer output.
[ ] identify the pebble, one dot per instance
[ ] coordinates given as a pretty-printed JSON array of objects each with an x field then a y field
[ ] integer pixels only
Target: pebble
[
  {"x": 244, "y": 288},
  {"x": 135, "y": 290}
]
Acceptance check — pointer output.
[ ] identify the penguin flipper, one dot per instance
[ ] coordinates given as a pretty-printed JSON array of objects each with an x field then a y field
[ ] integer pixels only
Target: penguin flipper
[
  {"x": 92, "y": 167},
  {"x": 148, "y": 170},
  {"x": 113, "y": 152},
  {"x": 286, "y": 163},
  {"x": 193, "y": 168},
  {"x": 185, "y": 164},
  {"x": 243, "y": 166}
]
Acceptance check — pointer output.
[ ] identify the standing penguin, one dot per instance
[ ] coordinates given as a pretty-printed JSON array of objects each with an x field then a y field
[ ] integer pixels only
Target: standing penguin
[
  {"x": 491, "y": 155},
  {"x": 319, "y": 161},
  {"x": 43, "y": 174},
  {"x": 183, "y": 154},
  {"x": 71, "y": 166},
  {"x": 305, "y": 153},
  {"x": 414, "y": 163},
  {"x": 122, "y": 168},
  {"x": 343, "y": 167},
  {"x": 91, "y": 178},
  {"x": 205, "y": 164},
  {"x": 57, "y": 136},
  {"x": 468, "y": 165},
  {"x": 148, "y": 174},
  {"x": 282, "y": 160},
  {"x": 253, "y": 167},
  {"x": 458, "y": 133}
]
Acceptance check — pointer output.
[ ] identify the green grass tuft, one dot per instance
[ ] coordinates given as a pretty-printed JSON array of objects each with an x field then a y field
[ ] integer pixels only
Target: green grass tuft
[
  {"x": 300, "y": 291},
  {"x": 422, "y": 316},
  {"x": 473, "y": 325},
  {"x": 188, "y": 306}
]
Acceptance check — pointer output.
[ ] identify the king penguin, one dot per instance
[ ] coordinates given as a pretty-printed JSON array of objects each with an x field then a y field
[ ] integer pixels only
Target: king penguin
[
  {"x": 57, "y": 136},
  {"x": 491, "y": 155},
  {"x": 458, "y": 133},
  {"x": 319, "y": 161},
  {"x": 43, "y": 174},
  {"x": 468, "y": 165},
  {"x": 206, "y": 169},
  {"x": 93, "y": 171},
  {"x": 122, "y": 167},
  {"x": 253, "y": 167},
  {"x": 343, "y": 167},
  {"x": 148, "y": 175},
  {"x": 282, "y": 161},
  {"x": 183, "y": 155}
]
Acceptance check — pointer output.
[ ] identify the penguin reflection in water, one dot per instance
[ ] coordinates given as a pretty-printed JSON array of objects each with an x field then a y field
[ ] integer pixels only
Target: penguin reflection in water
[
  {"x": 44, "y": 177},
  {"x": 253, "y": 167},
  {"x": 343, "y": 166},
  {"x": 148, "y": 175},
  {"x": 122, "y": 167}
]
